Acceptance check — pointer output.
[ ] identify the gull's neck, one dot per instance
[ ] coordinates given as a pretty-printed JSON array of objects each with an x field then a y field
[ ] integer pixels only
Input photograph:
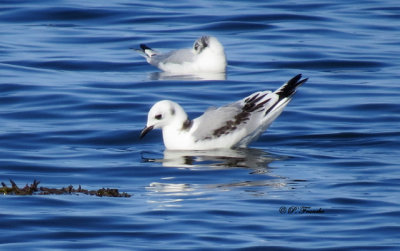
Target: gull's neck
[{"x": 176, "y": 133}]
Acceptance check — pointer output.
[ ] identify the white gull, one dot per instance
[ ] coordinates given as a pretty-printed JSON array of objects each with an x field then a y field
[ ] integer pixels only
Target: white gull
[
  {"x": 232, "y": 126},
  {"x": 207, "y": 55}
]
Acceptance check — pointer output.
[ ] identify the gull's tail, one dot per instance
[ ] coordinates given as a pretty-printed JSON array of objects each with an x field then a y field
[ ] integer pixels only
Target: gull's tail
[
  {"x": 285, "y": 93},
  {"x": 289, "y": 88},
  {"x": 272, "y": 104},
  {"x": 146, "y": 51}
]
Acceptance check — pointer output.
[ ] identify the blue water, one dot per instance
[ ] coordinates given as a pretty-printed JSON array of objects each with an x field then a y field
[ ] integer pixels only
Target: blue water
[{"x": 74, "y": 98}]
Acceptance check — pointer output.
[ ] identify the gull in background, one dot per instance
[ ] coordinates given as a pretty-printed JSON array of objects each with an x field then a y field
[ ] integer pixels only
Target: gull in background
[
  {"x": 207, "y": 55},
  {"x": 232, "y": 126}
]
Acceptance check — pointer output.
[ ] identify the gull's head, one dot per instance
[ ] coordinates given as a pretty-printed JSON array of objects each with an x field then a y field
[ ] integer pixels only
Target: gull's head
[
  {"x": 208, "y": 43},
  {"x": 209, "y": 54},
  {"x": 164, "y": 113}
]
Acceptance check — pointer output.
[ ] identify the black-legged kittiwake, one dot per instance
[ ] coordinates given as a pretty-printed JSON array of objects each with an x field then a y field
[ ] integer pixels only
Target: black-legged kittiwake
[
  {"x": 207, "y": 55},
  {"x": 232, "y": 126}
]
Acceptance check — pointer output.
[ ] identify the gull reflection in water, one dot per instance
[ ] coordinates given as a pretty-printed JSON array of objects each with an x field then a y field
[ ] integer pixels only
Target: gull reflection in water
[
  {"x": 196, "y": 76},
  {"x": 255, "y": 159},
  {"x": 172, "y": 194}
]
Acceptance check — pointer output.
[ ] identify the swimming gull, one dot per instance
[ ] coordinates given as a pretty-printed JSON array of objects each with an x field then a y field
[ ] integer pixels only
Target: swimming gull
[
  {"x": 232, "y": 126},
  {"x": 207, "y": 55}
]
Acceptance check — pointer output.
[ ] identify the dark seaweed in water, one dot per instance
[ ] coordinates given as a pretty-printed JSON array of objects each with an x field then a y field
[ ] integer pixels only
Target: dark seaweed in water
[{"x": 33, "y": 189}]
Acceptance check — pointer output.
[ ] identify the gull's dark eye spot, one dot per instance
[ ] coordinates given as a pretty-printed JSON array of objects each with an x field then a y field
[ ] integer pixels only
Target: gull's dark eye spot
[
  {"x": 204, "y": 41},
  {"x": 158, "y": 116}
]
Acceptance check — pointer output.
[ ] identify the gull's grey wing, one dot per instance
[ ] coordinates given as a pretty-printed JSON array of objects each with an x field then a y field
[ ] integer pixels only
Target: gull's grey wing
[
  {"x": 173, "y": 57},
  {"x": 251, "y": 115},
  {"x": 213, "y": 119},
  {"x": 246, "y": 113}
]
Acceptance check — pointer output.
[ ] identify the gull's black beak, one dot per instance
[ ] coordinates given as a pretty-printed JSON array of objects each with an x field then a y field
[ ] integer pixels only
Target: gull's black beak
[{"x": 145, "y": 131}]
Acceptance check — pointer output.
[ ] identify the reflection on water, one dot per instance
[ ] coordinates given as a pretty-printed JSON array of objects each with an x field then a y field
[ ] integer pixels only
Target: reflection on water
[
  {"x": 191, "y": 77},
  {"x": 167, "y": 193},
  {"x": 172, "y": 194},
  {"x": 175, "y": 189},
  {"x": 218, "y": 158}
]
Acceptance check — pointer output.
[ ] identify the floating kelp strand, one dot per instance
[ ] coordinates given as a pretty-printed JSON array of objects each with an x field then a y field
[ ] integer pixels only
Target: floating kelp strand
[{"x": 33, "y": 189}]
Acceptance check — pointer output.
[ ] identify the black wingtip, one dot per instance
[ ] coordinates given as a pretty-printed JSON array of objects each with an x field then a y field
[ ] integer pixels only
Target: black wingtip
[
  {"x": 289, "y": 88},
  {"x": 144, "y": 47}
]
